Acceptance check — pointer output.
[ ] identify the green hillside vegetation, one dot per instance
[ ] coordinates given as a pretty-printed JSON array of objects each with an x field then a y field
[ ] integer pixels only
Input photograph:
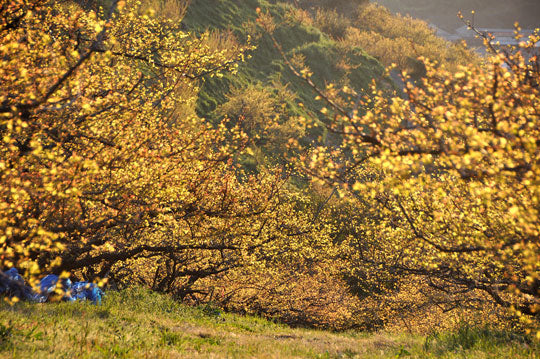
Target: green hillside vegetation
[
  {"x": 266, "y": 73},
  {"x": 138, "y": 323},
  {"x": 325, "y": 57},
  {"x": 336, "y": 46}
]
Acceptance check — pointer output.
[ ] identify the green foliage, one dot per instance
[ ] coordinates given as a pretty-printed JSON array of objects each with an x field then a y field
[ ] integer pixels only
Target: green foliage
[
  {"x": 6, "y": 333},
  {"x": 265, "y": 70}
]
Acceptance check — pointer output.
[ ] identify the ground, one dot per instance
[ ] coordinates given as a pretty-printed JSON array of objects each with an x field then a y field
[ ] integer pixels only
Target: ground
[{"x": 137, "y": 323}]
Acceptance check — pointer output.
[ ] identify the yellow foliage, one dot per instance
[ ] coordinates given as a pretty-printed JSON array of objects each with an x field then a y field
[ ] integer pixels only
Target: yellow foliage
[
  {"x": 394, "y": 39},
  {"x": 444, "y": 182},
  {"x": 105, "y": 169}
]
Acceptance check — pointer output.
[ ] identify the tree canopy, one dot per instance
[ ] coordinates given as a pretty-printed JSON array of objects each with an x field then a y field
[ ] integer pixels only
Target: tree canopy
[
  {"x": 445, "y": 177},
  {"x": 105, "y": 168}
]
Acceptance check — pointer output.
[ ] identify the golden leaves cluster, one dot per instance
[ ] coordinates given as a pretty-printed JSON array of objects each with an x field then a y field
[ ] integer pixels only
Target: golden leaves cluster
[
  {"x": 447, "y": 176},
  {"x": 102, "y": 158}
]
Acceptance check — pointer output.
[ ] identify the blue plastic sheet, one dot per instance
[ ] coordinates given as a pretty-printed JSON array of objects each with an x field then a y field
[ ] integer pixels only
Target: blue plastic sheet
[
  {"x": 13, "y": 274},
  {"x": 12, "y": 284},
  {"x": 49, "y": 284},
  {"x": 87, "y": 291}
]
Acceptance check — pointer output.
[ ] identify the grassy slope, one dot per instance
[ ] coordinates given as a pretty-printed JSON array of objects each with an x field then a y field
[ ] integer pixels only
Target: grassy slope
[
  {"x": 322, "y": 54},
  {"x": 137, "y": 323}
]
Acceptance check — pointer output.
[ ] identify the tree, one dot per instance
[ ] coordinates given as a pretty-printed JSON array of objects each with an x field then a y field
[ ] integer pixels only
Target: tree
[
  {"x": 445, "y": 178},
  {"x": 104, "y": 168}
]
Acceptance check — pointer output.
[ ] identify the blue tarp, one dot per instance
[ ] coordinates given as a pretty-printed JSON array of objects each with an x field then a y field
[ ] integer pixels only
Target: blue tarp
[{"x": 12, "y": 284}]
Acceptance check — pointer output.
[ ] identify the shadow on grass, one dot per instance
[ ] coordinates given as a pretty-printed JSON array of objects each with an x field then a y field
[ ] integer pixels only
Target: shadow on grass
[
  {"x": 6, "y": 333},
  {"x": 468, "y": 338}
]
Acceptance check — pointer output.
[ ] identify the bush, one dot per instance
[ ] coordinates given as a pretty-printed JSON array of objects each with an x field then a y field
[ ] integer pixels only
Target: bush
[
  {"x": 332, "y": 23},
  {"x": 401, "y": 40}
]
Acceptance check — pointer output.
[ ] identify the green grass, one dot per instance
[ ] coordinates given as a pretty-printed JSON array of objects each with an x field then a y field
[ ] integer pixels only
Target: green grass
[
  {"x": 138, "y": 323},
  {"x": 323, "y": 55},
  {"x": 329, "y": 61}
]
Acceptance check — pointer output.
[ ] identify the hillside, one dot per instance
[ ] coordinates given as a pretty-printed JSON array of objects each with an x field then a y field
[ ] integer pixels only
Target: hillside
[
  {"x": 327, "y": 59},
  {"x": 489, "y": 13},
  {"x": 137, "y": 323},
  {"x": 336, "y": 48}
]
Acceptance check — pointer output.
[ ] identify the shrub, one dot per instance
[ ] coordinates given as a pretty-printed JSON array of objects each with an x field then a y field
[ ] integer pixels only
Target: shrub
[{"x": 331, "y": 23}]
